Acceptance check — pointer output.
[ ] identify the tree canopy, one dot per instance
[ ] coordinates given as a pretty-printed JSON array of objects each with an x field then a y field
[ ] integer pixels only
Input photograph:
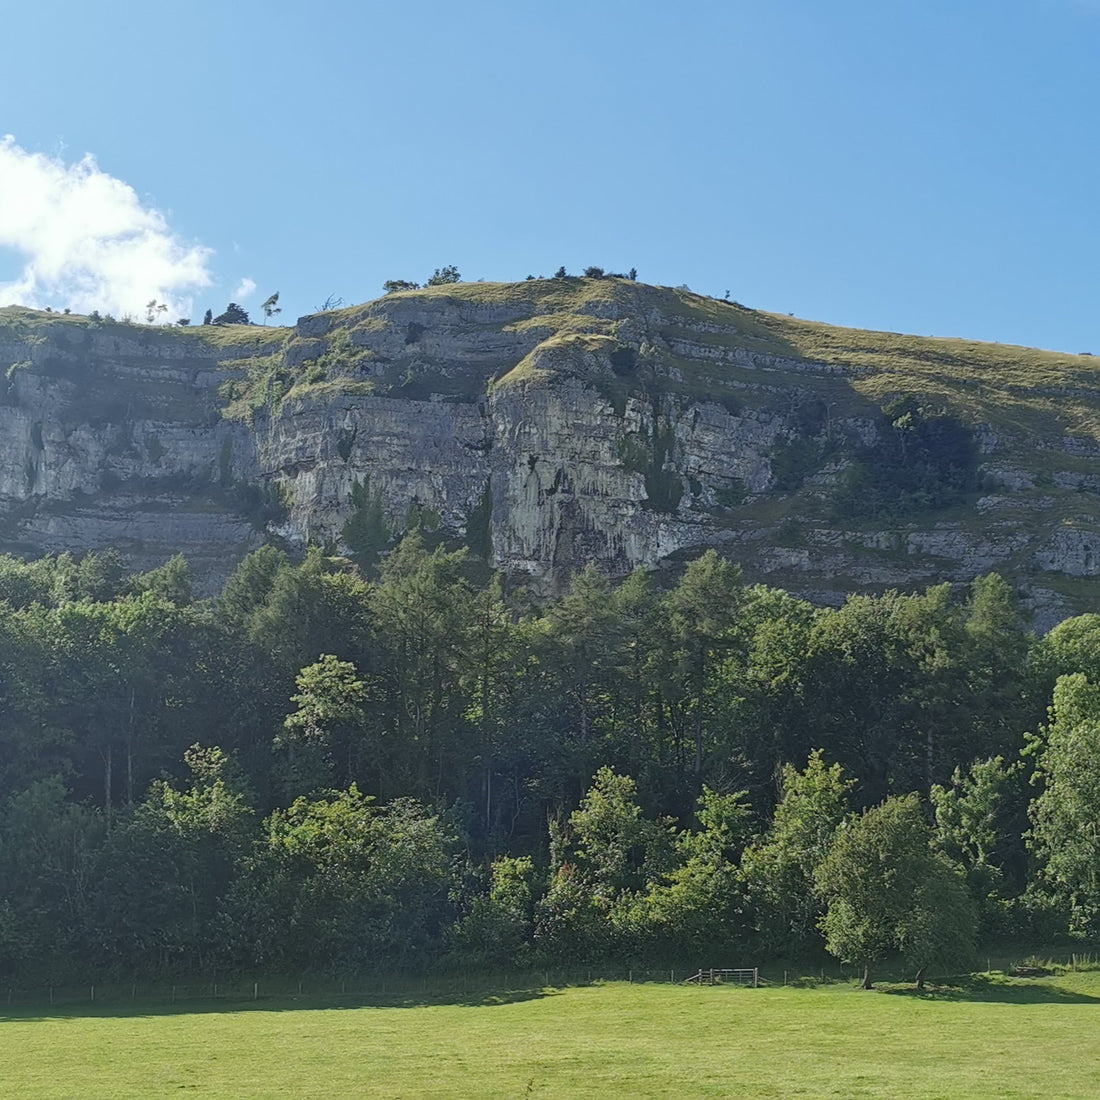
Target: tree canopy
[{"x": 366, "y": 763}]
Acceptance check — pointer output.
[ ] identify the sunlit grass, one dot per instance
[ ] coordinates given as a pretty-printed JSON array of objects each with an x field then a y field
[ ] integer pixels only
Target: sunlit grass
[{"x": 1000, "y": 1038}]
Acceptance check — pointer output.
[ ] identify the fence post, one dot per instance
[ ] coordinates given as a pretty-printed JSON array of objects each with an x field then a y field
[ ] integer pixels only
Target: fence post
[
  {"x": 92, "y": 997},
  {"x": 755, "y": 977},
  {"x": 173, "y": 994},
  {"x": 255, "y": 991}
]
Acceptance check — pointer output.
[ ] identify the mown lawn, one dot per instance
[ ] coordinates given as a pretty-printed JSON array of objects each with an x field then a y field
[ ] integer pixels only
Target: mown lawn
[{"x": 1024, "y": 1038}]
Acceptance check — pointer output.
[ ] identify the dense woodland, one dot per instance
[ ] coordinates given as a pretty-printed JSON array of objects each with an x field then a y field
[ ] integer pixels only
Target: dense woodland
[{"x": 324, "y": 769}]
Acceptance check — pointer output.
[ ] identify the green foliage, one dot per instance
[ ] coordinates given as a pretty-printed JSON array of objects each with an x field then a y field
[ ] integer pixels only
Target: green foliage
[
  {"x": 624, "y": 360},
  {"x": 886, "y": 889},
  {"x": 47, "y": 846},
  {"x": 426, "y": 686},
  {"x": 367, "y": 531},
  {"x": 265, "y": 503},
  {"x": 1072, "y": 646},
  {"x": 311, "y": 608},
  {"x": 614, "y": 846},
  {"x": 792, "y": 462},
  {"x": 352, "y": 884},
  {"x": 262, "y": 381},
  {"x": 779, "y": 867},
  {"x": 426, "y": 612},
  {"x": 172, "y": 582},
  {"x": 923, "y": 461},
  {"x": 730, "y": 496},
  {"x": 699, "y": 904},
  {"x": 444, "y": 276},
  {"x": 479, "y": 525},
  {"x": 330, "y": 695},
  {"x": 329, "y": 719},
  {"x": 969, "y": 822},
  {"x": 702, "y": 637},
  {"x": 912, "y": 691},
  {"x": 51, "y": 581},
  {"x": 604, "y": 858},
  {"x": 497, "y": 928},
  {"x": 978, "y": 826},
  {"x": 271, "y": 307},
  {"x": 1065, "y": 815},
  {"x": 250, "y": 584},
  {"x": 649, "y": 455},
  {"x": 422, "y": 517},
  {"x": 233, "y": 315},
  {"x": 161, "y": 873}
]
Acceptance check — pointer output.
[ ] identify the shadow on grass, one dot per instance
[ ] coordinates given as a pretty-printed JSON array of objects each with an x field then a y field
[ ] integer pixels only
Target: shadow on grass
[
  {"x": 993, "y": 988},
  {"x": 284, "y": 1003}
]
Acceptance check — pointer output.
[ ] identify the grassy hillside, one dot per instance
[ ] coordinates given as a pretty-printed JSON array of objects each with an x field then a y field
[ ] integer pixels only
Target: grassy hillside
[
  {"x": 1015, "y": 388},
  {"x": 1004, "y": 1038}
]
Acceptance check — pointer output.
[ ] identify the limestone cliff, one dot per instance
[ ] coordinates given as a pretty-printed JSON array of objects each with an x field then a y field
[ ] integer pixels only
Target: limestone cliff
[{"x": 551, "y": 423}]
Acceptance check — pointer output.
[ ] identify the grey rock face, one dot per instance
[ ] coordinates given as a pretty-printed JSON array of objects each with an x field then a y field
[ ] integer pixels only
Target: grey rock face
[{"x": 553, "y": 423}]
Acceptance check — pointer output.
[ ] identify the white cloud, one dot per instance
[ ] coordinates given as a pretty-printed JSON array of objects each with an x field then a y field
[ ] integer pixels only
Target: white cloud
[
  {"x": 245, "y": 289},
  {"x": 87, "y": 241}
]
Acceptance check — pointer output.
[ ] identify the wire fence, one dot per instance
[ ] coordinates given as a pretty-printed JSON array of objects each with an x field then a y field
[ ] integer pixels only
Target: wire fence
[{"x": 470, "y": 985}]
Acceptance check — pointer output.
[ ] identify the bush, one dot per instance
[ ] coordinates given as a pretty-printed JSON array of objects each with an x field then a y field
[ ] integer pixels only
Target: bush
[
  {"x": 233, "y": 315},
  {"x": 442, "y": 276},
  {"x": 922, "y": 462}
]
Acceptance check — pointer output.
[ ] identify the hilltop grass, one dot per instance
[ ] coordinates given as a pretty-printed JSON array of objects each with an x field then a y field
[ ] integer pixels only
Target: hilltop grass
[
  {"x": 1003, "y": 1037},
  {"x": 26, "y": 319},
  {"x": 1022, "y": 390}
]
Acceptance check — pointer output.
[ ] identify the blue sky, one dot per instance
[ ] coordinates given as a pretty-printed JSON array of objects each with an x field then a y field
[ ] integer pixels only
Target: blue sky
[{"x": 922, "y": 167}]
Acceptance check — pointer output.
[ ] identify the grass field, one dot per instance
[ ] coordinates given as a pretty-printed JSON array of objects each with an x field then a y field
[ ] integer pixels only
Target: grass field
[{"x": 992, "y": 1038}]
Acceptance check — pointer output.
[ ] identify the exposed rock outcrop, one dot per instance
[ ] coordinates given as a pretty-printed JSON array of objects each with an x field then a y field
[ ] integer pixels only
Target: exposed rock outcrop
[{"x": 549, "y": 423}]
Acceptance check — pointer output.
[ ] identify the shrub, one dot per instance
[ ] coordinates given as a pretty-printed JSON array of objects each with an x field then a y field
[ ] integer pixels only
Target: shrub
[
  {"x": 442, "y": 276},
  {"x": 233, "y": 315}
]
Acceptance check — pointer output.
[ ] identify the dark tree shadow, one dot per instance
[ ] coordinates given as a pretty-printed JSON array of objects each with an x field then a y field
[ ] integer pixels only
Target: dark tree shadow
[
  {"x": 126, "y": 1009},
  {"x": 985, "y": 987}
]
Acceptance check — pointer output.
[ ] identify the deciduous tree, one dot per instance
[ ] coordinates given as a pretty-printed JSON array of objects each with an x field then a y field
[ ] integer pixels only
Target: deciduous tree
[{"x": 887, "y": 890}]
